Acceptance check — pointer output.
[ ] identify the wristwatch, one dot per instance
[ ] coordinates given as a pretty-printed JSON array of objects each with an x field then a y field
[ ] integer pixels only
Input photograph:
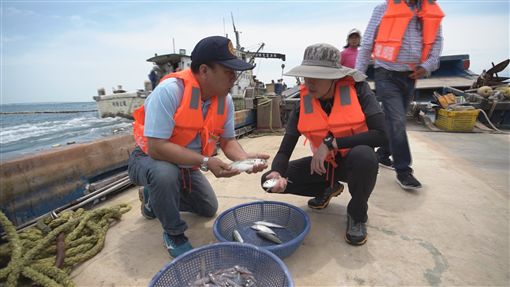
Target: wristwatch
[
  {"x": 328, "y": 141},
  {"x": 203, "y": 165}
]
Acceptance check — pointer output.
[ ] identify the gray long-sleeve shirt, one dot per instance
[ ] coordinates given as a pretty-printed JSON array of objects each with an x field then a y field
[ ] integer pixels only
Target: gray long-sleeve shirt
[{"x": 410, "y": 52}]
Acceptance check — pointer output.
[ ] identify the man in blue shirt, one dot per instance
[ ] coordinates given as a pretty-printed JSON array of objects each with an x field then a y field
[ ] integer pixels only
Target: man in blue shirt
[{"x": 169, "y": 169}]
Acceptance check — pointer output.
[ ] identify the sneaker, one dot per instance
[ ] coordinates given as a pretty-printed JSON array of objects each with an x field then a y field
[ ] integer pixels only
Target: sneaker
[
  {"x": 176, "y": 244},
  {"x": 356, "y": 233},
  {"x": 385, "y": 162},
  {"x": 408, "y": 181},
  {"x": 145, "y": 206},
  {"x": 321, "y": 201}
]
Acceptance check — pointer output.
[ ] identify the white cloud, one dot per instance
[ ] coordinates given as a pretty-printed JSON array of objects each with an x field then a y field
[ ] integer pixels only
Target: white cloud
[
  {"x": 78, "y": 21},
  {"x": 12, "y": 39},
  {"x": 19, "y": 12}
]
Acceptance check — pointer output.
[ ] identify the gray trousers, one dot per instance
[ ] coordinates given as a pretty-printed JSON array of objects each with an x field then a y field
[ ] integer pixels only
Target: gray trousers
[{"x": 171, "y": 190}]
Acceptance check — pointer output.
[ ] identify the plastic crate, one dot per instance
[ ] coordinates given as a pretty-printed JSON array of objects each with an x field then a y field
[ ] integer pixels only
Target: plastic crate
[
  {"x": 267, "y": 268},
  {"x": 456, "y": 121},
  {"x": 241, "y": 217}
]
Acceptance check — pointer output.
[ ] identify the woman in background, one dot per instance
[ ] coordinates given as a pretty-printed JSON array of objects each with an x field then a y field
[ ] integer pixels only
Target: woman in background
[{"x": 350, "y": 51}]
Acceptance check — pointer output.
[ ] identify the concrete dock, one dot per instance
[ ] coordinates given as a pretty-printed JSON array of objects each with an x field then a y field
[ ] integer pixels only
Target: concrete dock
[{"x": 454, "y": 231}]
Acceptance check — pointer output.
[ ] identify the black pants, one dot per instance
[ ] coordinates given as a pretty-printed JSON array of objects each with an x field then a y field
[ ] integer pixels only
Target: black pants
[{"x": 358, "y": 168}]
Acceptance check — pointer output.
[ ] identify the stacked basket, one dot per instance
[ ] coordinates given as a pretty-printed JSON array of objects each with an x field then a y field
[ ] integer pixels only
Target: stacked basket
[{"x": 255, "y": 254}]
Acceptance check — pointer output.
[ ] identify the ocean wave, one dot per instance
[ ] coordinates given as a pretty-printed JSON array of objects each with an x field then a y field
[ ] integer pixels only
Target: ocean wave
[{"x": 42, "y": 131}]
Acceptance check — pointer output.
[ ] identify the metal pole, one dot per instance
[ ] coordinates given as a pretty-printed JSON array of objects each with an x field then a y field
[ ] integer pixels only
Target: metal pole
[{"x": 114, "y": 186}]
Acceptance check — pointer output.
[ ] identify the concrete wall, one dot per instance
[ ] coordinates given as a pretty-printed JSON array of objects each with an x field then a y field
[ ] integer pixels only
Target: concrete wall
[{"x": 33, "y": 185}]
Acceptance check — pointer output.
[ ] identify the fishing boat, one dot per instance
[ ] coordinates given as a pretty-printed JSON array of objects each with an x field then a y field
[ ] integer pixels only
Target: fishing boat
[{"x": 121, "y": 103}]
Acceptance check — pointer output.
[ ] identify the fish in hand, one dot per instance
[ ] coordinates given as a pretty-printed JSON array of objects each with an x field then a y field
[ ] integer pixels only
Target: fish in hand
[
  {"x": 270, "y": 183},
  {"x": 247, "y": 164}
]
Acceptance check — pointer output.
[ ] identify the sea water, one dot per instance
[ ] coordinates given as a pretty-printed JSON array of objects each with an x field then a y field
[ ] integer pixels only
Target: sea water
[{"x": 33, "y": 127}]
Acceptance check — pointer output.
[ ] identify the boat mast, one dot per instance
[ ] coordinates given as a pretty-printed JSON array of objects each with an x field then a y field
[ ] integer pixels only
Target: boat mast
[{"x": 238, "y": 44}]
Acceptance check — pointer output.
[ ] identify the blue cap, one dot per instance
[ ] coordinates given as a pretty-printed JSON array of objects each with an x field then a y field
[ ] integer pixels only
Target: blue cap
[{"x": 220, "y": 50}]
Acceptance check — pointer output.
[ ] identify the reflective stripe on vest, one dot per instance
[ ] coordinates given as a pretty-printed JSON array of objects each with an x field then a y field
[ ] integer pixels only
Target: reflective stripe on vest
[
  {"x": 188, "y": 117},
  {"x": 394, "y": 24},
  {"x": 346, "y": 117}
]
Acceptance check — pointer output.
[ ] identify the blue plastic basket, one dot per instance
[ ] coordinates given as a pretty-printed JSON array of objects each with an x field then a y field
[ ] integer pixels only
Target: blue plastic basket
[
  {"x": 267, "y": 269},
  {"x": 241, "y": 217}
]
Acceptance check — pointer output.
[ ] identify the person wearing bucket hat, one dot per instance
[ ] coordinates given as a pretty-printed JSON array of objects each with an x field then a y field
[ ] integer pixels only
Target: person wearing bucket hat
[
  {"x": 340, "y": 117},
  {"x": 405, "y": 39},
  {"x": 176, "y": 132},
  {"x": 350, "y": 51}
]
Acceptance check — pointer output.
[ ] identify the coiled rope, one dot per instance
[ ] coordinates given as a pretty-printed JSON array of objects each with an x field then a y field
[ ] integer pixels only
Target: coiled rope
[{"x": 33, "y": 254}]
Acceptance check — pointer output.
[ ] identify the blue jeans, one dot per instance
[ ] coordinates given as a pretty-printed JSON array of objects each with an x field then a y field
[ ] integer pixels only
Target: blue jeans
[
  {"x": 395, "y": 90},
  {"x": 171, "y": 190}
]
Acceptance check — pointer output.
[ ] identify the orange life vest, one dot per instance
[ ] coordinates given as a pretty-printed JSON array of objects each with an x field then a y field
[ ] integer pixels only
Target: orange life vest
[
  {"x": 188, "y": 117},
  {"x": 394, "y": 23},
  {"x": 346, "y": 117}
]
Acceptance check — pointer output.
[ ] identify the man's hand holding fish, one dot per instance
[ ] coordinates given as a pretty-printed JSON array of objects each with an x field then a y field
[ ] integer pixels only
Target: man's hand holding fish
[
  {"x": 253, "y": 163},
  {"x": 220, "y": 168}
]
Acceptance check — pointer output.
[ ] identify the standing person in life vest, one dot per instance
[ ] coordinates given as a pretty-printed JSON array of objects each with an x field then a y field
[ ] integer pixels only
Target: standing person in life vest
[
  {"x": 176, "y": 131},
  {"x": 343, "y": 122},
  {"x": 350, "y": 51},
  {"x": 405, "y": 40}
]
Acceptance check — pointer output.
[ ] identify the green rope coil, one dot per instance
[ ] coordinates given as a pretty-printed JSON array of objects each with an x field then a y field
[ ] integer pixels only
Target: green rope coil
[{"x": 32, "y": 253}]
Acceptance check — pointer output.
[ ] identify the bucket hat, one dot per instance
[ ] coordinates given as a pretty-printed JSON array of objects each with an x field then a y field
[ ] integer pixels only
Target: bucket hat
[
  {"x": 322, "y": 61},
  {"x": 354, "y": 31}
]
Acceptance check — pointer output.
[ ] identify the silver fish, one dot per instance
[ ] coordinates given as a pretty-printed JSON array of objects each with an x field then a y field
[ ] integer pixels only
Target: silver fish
[
  {"x": 237, "y": 236},
  {"x": 270, "y": 183},
  {"x": 263, "y": 228},
  {"x": 269, "y": 236},
  {"x": 247, "y": 164},
  {"x": 268, "y": 224}
]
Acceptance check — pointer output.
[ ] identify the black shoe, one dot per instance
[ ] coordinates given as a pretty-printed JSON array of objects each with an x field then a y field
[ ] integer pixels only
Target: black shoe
[
  {"x": 408, "y": 181},
  {"x": 385, "y": 161},
  {"x": 321, "y": 201},
  {"x": 356, "y": 233}
]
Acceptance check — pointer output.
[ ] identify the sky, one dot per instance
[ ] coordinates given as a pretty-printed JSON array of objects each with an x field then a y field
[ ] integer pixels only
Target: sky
[{"x": 63, "y": 51}]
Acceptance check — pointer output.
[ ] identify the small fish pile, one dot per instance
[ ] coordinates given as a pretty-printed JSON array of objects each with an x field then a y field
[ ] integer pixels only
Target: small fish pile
[
  {"x": 247, "y": 164},
  {"x": 263, "y": 229},
  {"x": 237, "y": 276}
]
